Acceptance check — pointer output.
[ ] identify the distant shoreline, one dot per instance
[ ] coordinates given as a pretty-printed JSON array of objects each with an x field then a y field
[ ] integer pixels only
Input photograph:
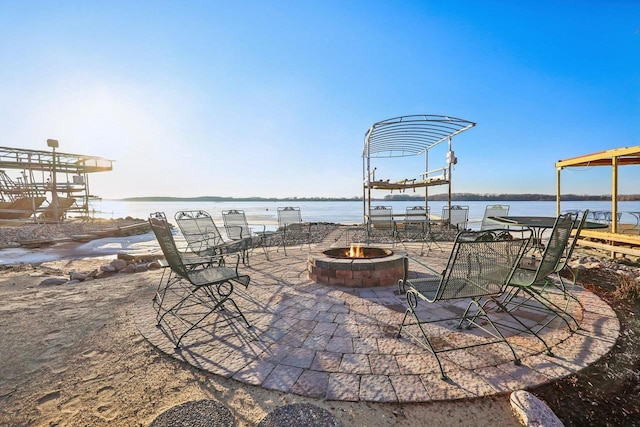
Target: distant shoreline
[{"x": 468, "y": 197}]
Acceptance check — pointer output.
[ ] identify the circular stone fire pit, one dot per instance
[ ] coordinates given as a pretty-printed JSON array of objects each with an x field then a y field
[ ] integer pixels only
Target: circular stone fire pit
[{"x": 376, "y": 267}]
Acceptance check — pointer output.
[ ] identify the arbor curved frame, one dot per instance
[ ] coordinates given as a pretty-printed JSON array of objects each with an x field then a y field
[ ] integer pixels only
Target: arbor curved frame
[{"x": 411, "y": 135}]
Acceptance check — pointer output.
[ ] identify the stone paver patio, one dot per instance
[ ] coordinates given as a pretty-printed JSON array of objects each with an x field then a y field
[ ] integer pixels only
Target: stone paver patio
[{"x": 340, "y": 343}]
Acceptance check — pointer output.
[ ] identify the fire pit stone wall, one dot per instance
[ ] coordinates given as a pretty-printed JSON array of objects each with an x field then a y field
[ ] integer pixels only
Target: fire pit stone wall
[{"x": 356, "y": 272}]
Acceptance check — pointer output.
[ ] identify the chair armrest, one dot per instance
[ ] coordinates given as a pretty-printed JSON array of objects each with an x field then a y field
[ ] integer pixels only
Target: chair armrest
[
  {"x": 234, "y": 264},
  {"x": 234, "y": 228},
  {"x": 193, "y": 260},
  {"x": 243, "y": 279}
]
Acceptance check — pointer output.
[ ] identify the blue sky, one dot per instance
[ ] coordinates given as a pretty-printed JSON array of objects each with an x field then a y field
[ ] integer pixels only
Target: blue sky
[{"x": 243, "y": 98}]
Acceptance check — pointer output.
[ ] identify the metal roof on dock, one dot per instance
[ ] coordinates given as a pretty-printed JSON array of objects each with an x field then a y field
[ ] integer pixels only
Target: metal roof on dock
[{"x": 41, "y": 160}]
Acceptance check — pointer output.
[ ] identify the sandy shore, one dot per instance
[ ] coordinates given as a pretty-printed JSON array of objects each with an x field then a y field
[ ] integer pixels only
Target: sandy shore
[{"x": 72, "y": 355}]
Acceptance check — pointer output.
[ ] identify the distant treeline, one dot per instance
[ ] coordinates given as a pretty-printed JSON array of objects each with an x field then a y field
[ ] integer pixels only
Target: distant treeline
[
  {"x": 468, "y": 197},
  {"x": 237, "y": 199}
]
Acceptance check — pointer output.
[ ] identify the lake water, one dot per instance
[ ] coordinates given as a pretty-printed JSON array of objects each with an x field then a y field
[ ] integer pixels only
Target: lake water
[
  {"x": 264, "y": 213},
  {"x": 340, "y": 212}
]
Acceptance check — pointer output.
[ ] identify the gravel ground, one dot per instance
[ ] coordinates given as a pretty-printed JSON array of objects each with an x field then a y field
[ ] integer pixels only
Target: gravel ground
[{"x": 10, "y": 235}]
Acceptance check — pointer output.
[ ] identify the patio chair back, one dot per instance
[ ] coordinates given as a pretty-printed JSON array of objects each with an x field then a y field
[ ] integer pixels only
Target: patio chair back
[
  {"x": 479, "y": 264},
  {"x": 415, "y": 227},
  {"x": 417, "y": 214},
  {"x": 457, "y": 216},
  {"x": 380, "y": 225},
  {"x": 493, "y": 210},
  {"x": 556, "y": 245},
  {"x": 566, "y": 255},
  {"x": 605, "y": 217},
  {"x": 235, "y": 224},
  {"x": 381, "y": 217},
  {"x": 534, "y": 270},
  {"x": 292, "y": 227},
  {"x": 199, "y": 230},
  {"x": 289, "y": 215},
  {"x": 162, "y": 231}
]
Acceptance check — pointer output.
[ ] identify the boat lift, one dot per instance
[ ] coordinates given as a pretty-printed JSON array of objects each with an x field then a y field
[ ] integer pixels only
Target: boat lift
[{"x": 51, "y": 184}]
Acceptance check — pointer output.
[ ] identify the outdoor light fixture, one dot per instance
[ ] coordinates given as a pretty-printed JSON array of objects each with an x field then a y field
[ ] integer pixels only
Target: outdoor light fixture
[
  {"x": 53, "y": 143},
  {"x": 451, "y": 158}
]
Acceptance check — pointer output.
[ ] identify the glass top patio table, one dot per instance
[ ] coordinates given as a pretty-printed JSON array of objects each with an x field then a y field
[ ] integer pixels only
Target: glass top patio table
[
  {"x": 539, "y": 222},
  {"x": 538, "y": 225}
]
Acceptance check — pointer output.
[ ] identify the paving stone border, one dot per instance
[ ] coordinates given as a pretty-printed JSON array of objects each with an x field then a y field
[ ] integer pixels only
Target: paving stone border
[{"x": 340, "y": 343}]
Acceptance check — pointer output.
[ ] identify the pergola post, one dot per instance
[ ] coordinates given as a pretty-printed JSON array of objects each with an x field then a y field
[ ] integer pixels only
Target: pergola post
[
  {"x": 558, "y": 198},
  {"x": 614, "y": 194}
]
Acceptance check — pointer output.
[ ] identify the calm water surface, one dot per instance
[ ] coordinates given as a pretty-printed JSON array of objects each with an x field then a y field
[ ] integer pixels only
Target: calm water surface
[
  {"x": 348, "y": 212},
  {"x": 265, "y": 213}
]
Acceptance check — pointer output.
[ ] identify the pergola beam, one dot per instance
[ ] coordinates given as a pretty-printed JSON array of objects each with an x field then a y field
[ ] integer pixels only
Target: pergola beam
[{"x": 613, "y": 158}]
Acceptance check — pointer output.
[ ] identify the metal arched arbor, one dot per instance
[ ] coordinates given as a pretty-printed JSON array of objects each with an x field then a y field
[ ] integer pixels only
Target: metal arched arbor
[{"x": 411, "y": 135}]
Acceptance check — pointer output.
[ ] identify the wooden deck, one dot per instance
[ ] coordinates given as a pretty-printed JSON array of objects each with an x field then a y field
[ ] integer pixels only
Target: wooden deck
[{"x": 626, "y": 241}]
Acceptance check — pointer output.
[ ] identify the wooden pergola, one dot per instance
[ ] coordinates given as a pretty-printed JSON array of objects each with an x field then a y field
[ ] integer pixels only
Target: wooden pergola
[{"x": 612, "y": 158}]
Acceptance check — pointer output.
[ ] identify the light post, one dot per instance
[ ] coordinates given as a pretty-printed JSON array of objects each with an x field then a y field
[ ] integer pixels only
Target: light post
[{"x": 53, "y": 143}]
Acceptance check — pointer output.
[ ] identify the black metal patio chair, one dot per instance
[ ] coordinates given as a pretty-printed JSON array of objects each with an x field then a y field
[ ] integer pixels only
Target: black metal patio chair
[
  {"x": 457, "y": 217},
  {"x": 416, "y": 227},
  {"x": 203, "y": 237},
  {"x": 194, "y": 291},
  {"x": 380, "y": 227},
  {"x": 292, "y": 227},
  {"x": 479, "y": 266},
  {"x": 532, "y": 277},
  {"x": 237, "y": 228}
]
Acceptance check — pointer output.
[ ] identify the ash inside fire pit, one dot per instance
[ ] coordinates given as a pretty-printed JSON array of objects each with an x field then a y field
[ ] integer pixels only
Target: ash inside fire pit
[{"x": 358, "y": 252}]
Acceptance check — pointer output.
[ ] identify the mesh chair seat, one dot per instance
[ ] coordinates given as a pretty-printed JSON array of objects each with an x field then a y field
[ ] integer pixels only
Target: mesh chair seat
[
  {"x": 524, "y": 276},
  {"x": 206, "y": 276}
]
